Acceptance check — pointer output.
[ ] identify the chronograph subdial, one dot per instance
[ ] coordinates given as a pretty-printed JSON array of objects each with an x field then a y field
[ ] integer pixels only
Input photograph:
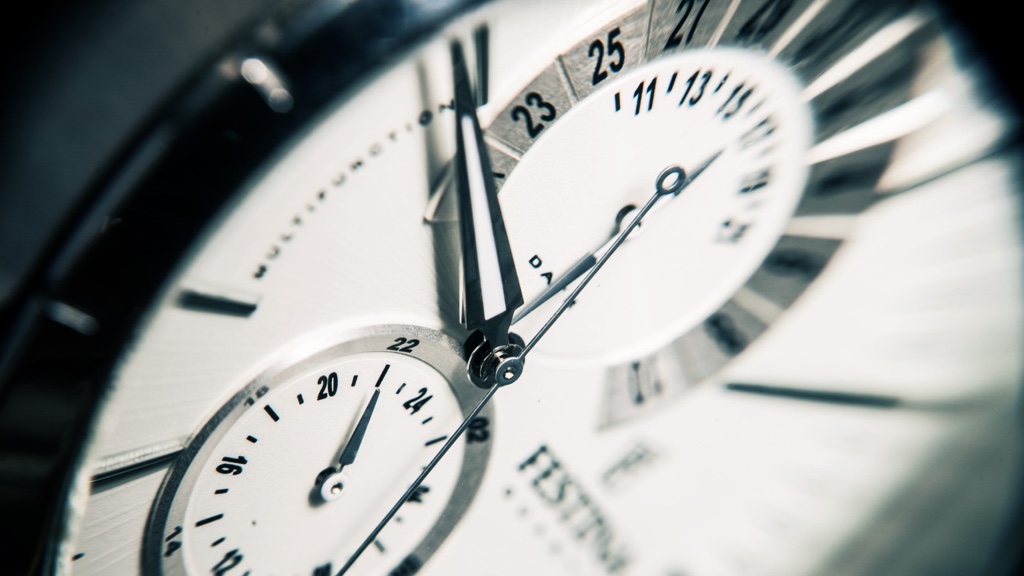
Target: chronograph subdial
[
  {"x": 740, "y": 110},
  {"x": 276, "y": 468}
]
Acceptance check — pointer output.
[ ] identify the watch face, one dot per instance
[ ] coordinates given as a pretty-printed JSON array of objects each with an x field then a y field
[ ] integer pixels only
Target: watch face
[{"x": 696, "y": 287}]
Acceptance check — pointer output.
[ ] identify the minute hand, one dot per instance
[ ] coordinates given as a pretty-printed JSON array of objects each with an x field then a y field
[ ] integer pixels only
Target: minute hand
[
  {"x": 590, "y": 260},
  {"x": 490, "y": 283}
]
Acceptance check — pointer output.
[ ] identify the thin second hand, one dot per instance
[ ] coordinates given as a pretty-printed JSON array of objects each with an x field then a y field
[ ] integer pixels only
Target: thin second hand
[
  {"x": 419, "y": 479},
  {"x": 679, "y": 186},
  {"x": 583, "y": 283}
]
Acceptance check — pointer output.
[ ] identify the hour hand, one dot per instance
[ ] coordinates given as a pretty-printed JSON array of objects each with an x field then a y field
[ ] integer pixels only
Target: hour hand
[
  {"x": 330, "y": 482},
  {"x": 491, "y": 290}
]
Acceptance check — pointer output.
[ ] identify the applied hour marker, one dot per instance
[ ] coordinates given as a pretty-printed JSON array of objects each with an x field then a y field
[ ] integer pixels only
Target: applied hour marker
[
  {"x": 826, "y": 396},
  {"x": 206, "y": 521},
  {"x": 221, "y": 491},
  {"x": 270, "y": 412},
  {"x": 383, "y": 373},
  {"x": 436, "y": 440},
  {"x": 148, "y": 458},
  {"x": 214, "y": 299},
  {"x": 885, "y": 127},
  {"x": 251, "y": 439}
]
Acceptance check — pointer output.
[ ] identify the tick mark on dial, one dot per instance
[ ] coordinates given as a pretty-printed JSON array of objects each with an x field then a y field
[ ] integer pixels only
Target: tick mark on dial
[
  {"x": 378, "y": 544},
  {"x": 417, "y": 496},
  {"x": 206, "y": 521},
  {"x": 217, "y": 541},
  {"x": 618, "y": 102},
  {"x": 77, "y": 556},
  {"x": 251, "y": 439},
  {"x": 672, "y": 82},
  {"x": 299, "y": 398},
  {"x": 400, "y": 388},
  {"x": 354, "y": 378},
  {"x": 722, "y": 83},
  {"x": 221, "y": 491},
  {"x": 436, "y": 440},
  {"x": 429, "y": 418},
  {"x": 382, "y": 375},
  {"x": 270, "y": 412}
]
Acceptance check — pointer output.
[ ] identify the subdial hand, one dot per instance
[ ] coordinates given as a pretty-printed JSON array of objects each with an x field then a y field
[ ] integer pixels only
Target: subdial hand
[
  {"x": 419, "y": 480},
  {"x": 589, "y": 260},
  {"x": 331, "y": 482},
  {"x": 491, "y": 288},
  {"x": 348, "y": 456}
]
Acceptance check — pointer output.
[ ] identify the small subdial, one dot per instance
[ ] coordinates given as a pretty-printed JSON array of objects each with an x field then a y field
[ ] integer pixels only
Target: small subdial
[
  {"x": 295, "y": 471},
  {"x": 734, "y": 123}
]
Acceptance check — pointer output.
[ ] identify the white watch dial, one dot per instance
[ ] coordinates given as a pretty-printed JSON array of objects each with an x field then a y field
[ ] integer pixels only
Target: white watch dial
[{"x": 817, "y": 339}]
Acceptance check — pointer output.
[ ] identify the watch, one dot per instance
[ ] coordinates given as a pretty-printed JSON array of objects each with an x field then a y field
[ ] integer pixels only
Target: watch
[{"x": 580, "y": 287}]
